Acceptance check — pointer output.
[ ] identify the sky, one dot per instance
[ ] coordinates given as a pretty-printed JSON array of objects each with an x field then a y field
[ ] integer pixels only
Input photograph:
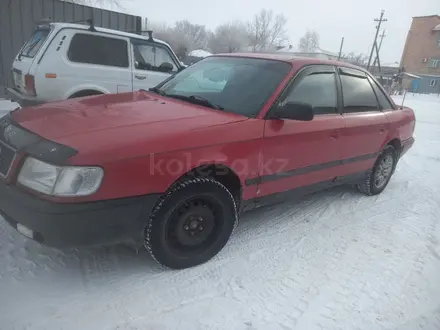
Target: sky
[{"x": 333, "y": 19}]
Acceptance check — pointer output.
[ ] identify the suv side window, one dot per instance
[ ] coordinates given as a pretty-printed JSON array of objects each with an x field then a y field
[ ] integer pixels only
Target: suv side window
[
  {"x": 95, "y": 49},
  {"x": 358, "y": 95},
  {"x": 317, "y": 89},
  {"x": 383, "y": 99},
  {"x": 149, "y": 56}
]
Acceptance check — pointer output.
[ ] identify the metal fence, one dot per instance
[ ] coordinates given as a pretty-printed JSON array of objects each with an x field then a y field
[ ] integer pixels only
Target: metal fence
[{"x": 18, "y": 19}]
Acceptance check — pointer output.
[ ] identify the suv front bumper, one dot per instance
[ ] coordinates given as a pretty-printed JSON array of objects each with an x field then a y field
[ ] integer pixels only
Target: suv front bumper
[
  {"x": 24, "y": 101},
  {"x": 80, "y": 224}
]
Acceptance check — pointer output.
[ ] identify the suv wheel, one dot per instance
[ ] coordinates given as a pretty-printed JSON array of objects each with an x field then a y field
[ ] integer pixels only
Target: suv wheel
[
  {"x": 378, "y": 178},
  {"x": 191, "y": 223}
]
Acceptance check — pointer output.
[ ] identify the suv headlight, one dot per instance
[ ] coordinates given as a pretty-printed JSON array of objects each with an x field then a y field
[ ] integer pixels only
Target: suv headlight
[{"x": 60, "y": 180}]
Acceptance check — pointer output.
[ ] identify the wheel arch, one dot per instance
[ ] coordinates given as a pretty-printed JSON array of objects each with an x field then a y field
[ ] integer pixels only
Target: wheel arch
[
  {"x": 221, "y": 173},
  {"x": 396, "y": 143},
  {"x": 85, "y": 92}
]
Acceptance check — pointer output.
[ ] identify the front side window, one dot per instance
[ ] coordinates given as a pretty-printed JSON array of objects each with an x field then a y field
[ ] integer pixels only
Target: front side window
[
  {"x": 95, "y": 49},
  {"x": 236, "y": 84},
  {"x": 318, "y": 90},
  {"x": 33, "y": 45},
  {"x": 152, "y": 57},
  {"x": 358, "y": 95}
]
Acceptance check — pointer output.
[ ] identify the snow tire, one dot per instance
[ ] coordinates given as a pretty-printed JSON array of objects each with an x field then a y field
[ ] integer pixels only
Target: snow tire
[
  {"x": 368, "y": 187},
  {"x": 155, "y": 237}
]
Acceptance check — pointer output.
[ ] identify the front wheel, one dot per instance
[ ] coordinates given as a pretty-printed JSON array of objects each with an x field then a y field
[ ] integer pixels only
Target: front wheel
[
  {"x": 191, "y": 223},
  {"x": 378, "y": 178}
]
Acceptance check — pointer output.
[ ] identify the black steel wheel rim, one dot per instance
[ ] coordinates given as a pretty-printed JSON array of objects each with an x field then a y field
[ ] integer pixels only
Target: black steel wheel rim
[{"x": 194, "y": 225}]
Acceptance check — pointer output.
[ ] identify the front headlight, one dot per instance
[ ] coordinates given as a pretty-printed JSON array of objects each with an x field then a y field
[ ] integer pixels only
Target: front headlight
[{"x": 60, "y": 180}]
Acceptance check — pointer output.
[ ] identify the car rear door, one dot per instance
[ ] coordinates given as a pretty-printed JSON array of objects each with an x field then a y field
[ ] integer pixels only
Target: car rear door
[
  {"x": 147, "y": 63},
  {"x": 26, "y": 56},
  {"x": 366, "y": 126},
  {"x": 303, "y": 153}
]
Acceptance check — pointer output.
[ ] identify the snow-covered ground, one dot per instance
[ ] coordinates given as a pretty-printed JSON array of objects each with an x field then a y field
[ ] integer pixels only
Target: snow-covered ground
[
  {"x": 6, "y": 106},
  {"x": 336, "y": 260}
]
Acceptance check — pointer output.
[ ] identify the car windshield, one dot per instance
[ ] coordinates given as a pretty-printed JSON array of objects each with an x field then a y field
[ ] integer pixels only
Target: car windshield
[{"x": 234, "y": 84}]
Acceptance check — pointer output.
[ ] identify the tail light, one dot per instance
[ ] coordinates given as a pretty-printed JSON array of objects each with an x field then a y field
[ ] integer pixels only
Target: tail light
[{"x": 29, "y": 81}]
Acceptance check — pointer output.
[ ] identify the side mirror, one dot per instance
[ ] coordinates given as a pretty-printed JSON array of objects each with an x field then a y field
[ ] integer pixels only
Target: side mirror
[
  {"x": 166, "y": 67},
  {"x": 294, "y": 111}
]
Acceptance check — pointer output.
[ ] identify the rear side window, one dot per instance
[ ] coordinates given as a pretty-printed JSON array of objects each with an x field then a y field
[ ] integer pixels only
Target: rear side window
[
  {"x": 383, "y": 100},
  {"x": 358, "y": 95},
  {"x": 93, "y": 49},
  {"x": 33, "y": 45}
]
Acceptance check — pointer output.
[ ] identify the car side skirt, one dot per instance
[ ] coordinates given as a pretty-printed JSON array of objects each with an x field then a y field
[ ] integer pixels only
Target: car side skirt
[
  {"x": 309, "y": 169},
  {"x": 257, "y": 202}
]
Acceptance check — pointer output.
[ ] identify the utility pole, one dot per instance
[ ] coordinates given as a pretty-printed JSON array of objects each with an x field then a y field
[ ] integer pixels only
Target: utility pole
[
  {"x": 340, "y": 49},
  {"x": 379, "y": 20},
  {"x": 383, "y": 35}
]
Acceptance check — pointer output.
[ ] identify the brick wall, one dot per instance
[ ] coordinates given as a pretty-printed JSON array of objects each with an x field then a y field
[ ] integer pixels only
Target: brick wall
[{"x": 421, "y": 43}]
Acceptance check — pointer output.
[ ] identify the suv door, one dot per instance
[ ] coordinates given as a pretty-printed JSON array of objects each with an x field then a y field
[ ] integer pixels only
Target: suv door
[
  {"x": 150, "y": 62},
  {"x": 366, "y": 126},
  {"x": 302, "y": 153},
  {"x": 94, "y": 61}
]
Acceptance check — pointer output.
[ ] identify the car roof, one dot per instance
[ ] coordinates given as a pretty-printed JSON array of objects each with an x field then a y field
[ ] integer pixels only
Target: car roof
[
  {"x": 104, "y": 30},
  {"x": 291, "y": 59}
]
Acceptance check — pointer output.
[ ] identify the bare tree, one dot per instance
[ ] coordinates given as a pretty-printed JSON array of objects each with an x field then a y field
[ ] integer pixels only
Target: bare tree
[
  {"x": 355, "y": 58},
  {"x": 196, "y": 35},
  {"x": 183, "y": 36},
  {"x": 229, "y": 38},
  {"x": 266, "y": 30},
  {"x": 309, "y": 42}
]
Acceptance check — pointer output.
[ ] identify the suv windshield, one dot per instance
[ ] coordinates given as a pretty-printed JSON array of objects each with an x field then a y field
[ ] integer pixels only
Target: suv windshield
[
  {"x": 35, "y": 42},
  {"x": 236, "y": 84}
]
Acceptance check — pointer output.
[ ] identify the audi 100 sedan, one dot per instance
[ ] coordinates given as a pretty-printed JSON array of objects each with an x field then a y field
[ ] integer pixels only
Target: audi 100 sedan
[{"x": 172, "y": 168}]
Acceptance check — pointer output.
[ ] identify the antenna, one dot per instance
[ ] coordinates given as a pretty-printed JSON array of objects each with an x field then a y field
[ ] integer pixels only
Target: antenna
[{"x": 403, "y": 100}]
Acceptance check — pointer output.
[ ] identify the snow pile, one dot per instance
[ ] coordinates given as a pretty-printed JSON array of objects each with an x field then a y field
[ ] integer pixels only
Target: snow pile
[
  {"x": 335, "y": 260},
  {"x": 6, "y": 106},
  {"x": 199, "y": 53}
]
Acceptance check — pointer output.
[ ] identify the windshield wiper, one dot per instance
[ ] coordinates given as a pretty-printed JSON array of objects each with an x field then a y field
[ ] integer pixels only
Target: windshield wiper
[
  {"x": 155, "y": 90},
  {"x": 196, "y": 100}
]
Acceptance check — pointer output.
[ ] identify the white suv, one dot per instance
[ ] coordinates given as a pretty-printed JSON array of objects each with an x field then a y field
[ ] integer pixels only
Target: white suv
[{"x": 62, "y": 61}]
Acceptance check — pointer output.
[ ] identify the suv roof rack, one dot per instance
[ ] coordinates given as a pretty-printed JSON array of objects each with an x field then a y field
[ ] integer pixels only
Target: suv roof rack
[{"x": 45, "y": 21}]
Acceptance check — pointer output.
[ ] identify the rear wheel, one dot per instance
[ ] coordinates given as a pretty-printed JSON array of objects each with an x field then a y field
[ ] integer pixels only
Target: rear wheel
[
  {"x": 378, "y": 178},
  {"x": 191, "y": 223}
]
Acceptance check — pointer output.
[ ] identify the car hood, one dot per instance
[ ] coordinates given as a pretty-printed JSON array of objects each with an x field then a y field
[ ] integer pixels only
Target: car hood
[
  {"x": 119, "y": 126},
  {"x": 75, "y": 117}
]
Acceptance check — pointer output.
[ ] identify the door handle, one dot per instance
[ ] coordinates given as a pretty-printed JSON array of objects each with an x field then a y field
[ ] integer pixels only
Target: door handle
[
  {"x": 140, "y": 77},
  {"x": 382, "y": 130}
]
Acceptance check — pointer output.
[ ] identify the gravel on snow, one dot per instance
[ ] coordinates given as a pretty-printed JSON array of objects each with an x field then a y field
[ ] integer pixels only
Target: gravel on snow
[{"x": 335, "y": 260}]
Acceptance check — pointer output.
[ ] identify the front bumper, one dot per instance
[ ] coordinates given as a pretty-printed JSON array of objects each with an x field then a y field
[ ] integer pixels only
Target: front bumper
[
  {"x": 20, "y": 98},
  {"x": 82, "y": 224}
]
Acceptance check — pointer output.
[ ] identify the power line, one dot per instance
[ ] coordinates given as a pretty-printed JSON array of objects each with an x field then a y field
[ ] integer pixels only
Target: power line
[{"x": 379, "y": 20}]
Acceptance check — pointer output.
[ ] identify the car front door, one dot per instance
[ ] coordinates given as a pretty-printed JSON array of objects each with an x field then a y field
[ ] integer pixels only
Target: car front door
[
  {"x": 303, "y": 153},
  {"x": 366, "y": 126},
  {"x": 152, "y": 63}
]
